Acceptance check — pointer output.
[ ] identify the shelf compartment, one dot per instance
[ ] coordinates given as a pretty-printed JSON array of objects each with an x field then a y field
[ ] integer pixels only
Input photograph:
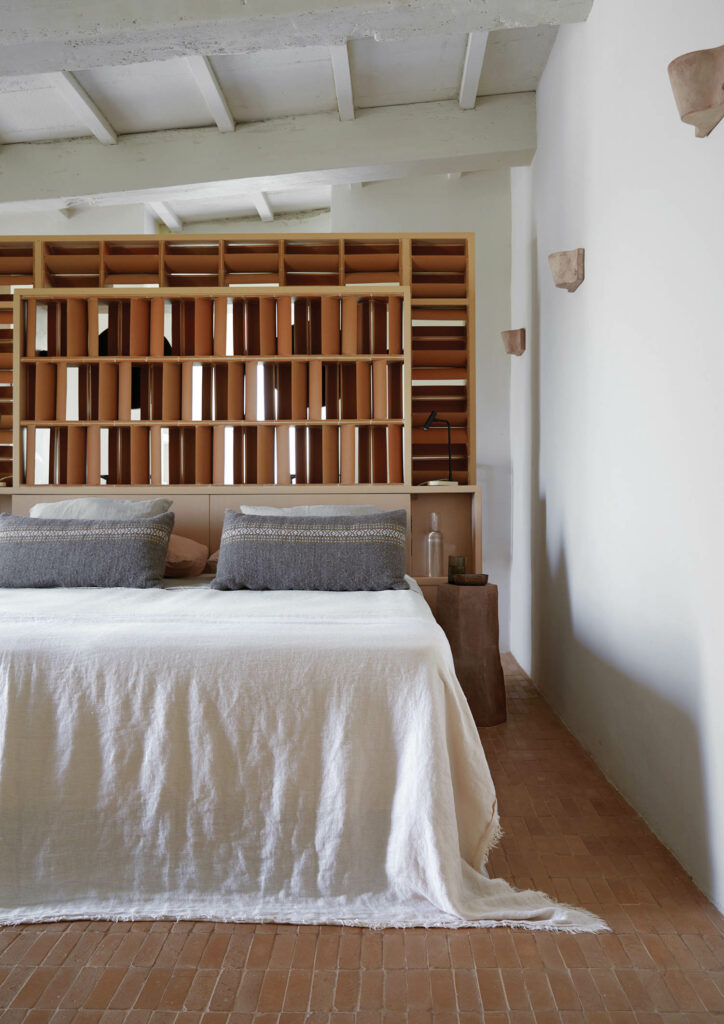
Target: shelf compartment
[
  {"x": 131, "y": 263},
  {"x": 72, "y": 264},
  {"x": 311, "y": 263},
  {"x": 16, "y": 269},
  {"x": 371, "y": 262},
  {"x": 250, "y": 262},
  {"x": 439, "y": 268},
  {"x": 191, "y": 265}
]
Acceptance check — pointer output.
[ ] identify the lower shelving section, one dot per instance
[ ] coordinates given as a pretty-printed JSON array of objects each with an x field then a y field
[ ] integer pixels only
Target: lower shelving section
[{"x": 264, "y": 453}]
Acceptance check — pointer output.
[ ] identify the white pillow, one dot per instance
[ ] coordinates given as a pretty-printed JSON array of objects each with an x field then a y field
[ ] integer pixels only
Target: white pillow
[
  {"x": 100, "y": 508},
  {"x": 311, "y": 510}
]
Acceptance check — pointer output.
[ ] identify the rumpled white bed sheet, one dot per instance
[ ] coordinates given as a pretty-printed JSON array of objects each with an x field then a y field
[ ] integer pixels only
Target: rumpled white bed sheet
[{"x": 293, "y": 757}]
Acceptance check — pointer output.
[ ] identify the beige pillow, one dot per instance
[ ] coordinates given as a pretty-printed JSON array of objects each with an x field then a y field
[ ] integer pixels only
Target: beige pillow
[
  {"x": 311, "y": 510},
  {"x": 100, "y": 508},
  {"x": 185, "y": 557},
  {"x": 213, "y": 562}
]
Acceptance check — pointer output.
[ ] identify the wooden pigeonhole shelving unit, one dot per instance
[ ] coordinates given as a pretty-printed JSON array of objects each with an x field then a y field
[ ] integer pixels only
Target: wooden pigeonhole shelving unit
[
  {"x": 212, "y": 387},
  {"x": 436, "y": 368}
]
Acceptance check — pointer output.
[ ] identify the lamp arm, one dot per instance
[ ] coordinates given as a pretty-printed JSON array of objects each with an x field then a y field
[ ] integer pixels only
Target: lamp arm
[{"x": 449, "y": 446}]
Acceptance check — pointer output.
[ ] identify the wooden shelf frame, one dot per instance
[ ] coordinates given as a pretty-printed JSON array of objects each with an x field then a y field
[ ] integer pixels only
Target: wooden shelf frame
[{"x": 437, "y": 268}]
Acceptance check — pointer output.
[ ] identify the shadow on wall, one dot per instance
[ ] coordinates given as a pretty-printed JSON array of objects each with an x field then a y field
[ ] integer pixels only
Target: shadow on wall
[{"x": 648, "y": 747}]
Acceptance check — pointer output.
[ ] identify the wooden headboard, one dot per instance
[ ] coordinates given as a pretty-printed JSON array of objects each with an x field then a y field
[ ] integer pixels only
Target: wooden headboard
[{"x": 201, "y": 516}]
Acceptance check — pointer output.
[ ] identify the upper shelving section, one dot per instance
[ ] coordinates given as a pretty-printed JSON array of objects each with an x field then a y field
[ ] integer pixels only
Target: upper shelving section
[{"x": 435, "y": 267}]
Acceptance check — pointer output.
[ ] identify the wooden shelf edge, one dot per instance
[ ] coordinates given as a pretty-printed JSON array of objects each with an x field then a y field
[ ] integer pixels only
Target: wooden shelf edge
[
  {"x": 336, "y": 357},
  {"x": 210, "y": 423},
  {"x": 202, "y": 489}
]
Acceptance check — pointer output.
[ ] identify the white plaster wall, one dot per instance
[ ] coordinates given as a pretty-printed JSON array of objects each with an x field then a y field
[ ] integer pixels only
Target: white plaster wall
[
  {"x": 627, "y": 489},
  {"x": 315, "y": 220},
  {"x": 523, "y": 414},
  {"x": 481, "y": 203},
  {"x": 92, "y": 220},
  {"x": 135, "y": 219}
]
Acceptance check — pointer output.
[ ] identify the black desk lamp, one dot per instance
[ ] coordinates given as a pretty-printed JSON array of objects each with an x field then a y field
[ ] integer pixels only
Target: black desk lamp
[{"x": 434, "y": 418}]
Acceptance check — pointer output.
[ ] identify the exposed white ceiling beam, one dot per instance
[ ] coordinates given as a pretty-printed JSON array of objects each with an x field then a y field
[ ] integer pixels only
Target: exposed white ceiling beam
[
  {"x": 80, "y": 101},
  {"x": 44, "y": 35},
  {"x": 470, "y": 79},
  {"x": 200, "y": 67},
  {"x": 165, "y": 214},
  {"x": 342, "y": 81},
  {"x": 388, "y": 142},
  {"x": 262, "y": 206}
]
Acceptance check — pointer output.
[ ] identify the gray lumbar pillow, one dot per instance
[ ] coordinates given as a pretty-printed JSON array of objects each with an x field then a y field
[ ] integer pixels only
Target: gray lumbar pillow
[
  {"x": 312, "y": 553},
  {"x": 100, "y": 508},
  {"x": 83, "y": 552}
]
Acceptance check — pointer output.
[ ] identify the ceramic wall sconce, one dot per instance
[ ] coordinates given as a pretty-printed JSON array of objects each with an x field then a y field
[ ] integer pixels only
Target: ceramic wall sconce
[
  {"x": 697, "y": 79},
  {"x": 567, "y": 268},
  {"x": 514, "y": 341}
]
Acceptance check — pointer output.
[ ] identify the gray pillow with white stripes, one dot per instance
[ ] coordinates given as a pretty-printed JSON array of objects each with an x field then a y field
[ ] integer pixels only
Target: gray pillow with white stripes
[
  {"x": 313, "y": 552},
  {"x": 83, "y": 552}
]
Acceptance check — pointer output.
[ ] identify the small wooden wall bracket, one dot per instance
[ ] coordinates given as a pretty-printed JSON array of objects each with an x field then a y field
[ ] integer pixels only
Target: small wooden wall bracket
[
  {"x": 514, "y": 341},
  {"x": 697, "y": 80},
  {"x": 567, "y": 268}
]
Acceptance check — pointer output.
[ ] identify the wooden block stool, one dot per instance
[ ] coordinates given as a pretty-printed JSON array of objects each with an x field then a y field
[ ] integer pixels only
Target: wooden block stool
[{"x": 469, "y": 616}]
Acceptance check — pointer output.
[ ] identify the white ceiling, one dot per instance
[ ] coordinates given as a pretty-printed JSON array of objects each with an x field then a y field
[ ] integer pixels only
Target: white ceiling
[{"x": 265, "y": 85}]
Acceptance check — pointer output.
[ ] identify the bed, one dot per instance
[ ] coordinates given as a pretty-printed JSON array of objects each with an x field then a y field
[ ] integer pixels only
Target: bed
[{"x": 295, "y": 757}]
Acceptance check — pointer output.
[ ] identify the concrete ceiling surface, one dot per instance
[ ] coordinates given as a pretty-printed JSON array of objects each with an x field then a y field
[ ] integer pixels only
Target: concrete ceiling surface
[
  {"x": 270, "y": 84},
  {"x": 47, "y": 35}
]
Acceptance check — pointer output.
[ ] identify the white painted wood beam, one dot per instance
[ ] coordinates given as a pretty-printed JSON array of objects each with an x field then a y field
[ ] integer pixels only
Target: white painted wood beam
[
  {"x": 44, "y": 35},
  {"x": 470, "y": 79},
  {"x": 388, "y": 142},
  {"x": 200, "y": 67},
  {"x": 164, "y": 213},
  {"x": 262, "y": 206},
  {"x": 76, "y": 96},
  {"x": 342, "y": 81}
]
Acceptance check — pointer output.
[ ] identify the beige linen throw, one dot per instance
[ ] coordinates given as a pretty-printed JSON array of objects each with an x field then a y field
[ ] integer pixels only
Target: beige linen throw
[{"x": 189, "y": 753}]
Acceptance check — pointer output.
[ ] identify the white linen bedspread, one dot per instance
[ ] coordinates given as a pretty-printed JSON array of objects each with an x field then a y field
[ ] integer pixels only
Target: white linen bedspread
[{"x": 189, "y": 753}]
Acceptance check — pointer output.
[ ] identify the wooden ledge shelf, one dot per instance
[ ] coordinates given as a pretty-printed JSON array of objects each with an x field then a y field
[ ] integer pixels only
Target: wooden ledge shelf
[
  {"x": 228, "y": 489},
  {"x": 210, "y": 423},
  {"x": 363, "y": 357}
]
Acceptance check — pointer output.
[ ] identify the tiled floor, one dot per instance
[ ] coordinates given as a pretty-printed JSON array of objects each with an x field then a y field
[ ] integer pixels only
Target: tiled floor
[{"x": 567, "y": 832}]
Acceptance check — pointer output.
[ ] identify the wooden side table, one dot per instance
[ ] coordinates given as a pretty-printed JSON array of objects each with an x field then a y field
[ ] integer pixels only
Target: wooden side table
[{"x": 469, "y": 616}]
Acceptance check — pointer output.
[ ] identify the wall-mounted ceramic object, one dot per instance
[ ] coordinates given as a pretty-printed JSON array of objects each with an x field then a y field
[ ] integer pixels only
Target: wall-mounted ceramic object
[
  {"x": 697, "y": 79},
  {"x": 514, "y": 341},
  {"x": 567, "y": 268}
]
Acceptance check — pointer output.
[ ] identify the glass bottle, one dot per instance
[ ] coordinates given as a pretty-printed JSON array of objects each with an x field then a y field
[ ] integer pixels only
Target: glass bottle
[{"x": 433, "y": 547}]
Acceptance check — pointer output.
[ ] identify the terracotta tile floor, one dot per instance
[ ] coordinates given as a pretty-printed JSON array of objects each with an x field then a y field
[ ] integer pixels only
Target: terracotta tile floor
[{"x": 567, "y": 832}]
